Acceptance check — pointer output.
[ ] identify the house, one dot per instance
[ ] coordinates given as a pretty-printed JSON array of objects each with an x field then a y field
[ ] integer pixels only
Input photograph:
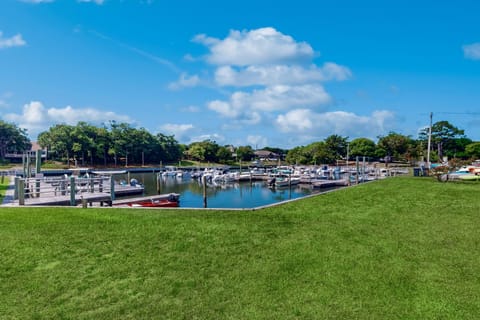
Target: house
[
  {"x": 265, "y": 155},
  {"x": 17, "y": 156}
]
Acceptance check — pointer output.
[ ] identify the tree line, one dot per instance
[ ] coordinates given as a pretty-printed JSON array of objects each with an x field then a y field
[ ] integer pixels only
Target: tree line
[
  {"x": 446, "y": 141},
  {"x": 120, "y": 144}
]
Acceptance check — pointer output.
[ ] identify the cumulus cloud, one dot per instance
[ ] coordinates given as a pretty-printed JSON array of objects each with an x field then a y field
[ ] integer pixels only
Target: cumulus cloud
[
  {"x": 180, "y": 131},
  {"x": 306, "y": 121},
  {"x": 35, "y": 117},
  {"x": 257, "y": 141},
  {"x": 218, "y": 138},
  {"x": 279, "y": 74},
  {"x": 472, "y": 51},
  {"x": 184, "y": 81},
  {"x": 15, "y": 41},
  {"x": 254, "y": 47},
  {"x": 248, "y": 105}
]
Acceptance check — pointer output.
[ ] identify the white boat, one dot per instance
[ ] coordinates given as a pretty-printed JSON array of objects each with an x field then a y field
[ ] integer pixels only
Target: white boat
[{"x": 284, "y": 181}]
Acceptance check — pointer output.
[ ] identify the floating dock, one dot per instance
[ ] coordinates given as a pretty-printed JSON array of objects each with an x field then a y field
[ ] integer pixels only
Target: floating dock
[
  {"x": 125, "y": 202},
  {"x": 329, "y": 183},
  {"x": 70, "y": 192}
]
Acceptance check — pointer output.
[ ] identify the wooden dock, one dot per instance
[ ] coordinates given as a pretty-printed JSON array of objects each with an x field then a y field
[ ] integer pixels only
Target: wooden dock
[
  {"x": 60, "y": 200},
  {"x": 71, "y": 192}
]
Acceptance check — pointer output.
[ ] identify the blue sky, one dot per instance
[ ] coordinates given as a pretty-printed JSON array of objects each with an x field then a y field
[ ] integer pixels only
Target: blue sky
[{"x": 259, "y": 73}]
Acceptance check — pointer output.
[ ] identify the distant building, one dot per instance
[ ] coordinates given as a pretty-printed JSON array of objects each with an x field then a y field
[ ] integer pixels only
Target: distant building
[
  {"x": 17, "y": 156},
  {"x": 265, "y": 155}
]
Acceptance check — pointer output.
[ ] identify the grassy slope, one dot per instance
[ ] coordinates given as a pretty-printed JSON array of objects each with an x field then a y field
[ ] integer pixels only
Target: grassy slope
[{"x": 395, "y": 249}]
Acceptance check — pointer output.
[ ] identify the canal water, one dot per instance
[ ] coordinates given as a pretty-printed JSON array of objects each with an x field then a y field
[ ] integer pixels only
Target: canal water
[{"x": 228, "y": 195}]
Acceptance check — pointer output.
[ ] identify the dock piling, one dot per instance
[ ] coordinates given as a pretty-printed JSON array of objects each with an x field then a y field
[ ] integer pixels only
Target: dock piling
[
  {"x": 21, "y": 192},
  {"x": 17, "y": 187},
  {"x": 72, "y": 191},
  {"x": 112, "y": 188},
  {"x": 204, "y": 183}
]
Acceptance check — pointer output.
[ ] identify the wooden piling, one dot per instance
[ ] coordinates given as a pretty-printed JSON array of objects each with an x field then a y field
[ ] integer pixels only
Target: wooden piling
[
  {"x": 17, "y": 187},
  {"x": 38, "y": 161},
  {"x": 21, "y": 192},
  {"x": 112, "y": 188},
  {"x": 72, "y": 191},
  {"x": 204, "y": 183}
]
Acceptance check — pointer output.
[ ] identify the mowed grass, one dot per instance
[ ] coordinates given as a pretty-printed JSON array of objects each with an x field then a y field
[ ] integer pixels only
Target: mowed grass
[{"x": 402, "y": 248}]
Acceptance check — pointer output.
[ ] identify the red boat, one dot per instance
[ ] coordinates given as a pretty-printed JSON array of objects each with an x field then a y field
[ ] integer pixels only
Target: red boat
[{"x": 165, "y": 203}]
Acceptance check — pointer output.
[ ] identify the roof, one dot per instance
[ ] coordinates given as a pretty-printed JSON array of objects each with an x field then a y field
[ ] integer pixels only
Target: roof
[
  {"x": 35, "y": 146},
  {"x": 265, "y": 153}
]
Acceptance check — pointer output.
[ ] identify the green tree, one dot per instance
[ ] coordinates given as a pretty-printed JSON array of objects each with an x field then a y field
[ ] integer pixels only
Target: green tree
[
  {"x": 84, "y": 136},
  {"x": 443, "y": 132},
  {"x": 59, "y": 140},
  {"x": 473, "y": 150},
  {"x": 245, "y": 153},
  {"x": 455, "y": 148},
  {"x": 362, "y": 147},
  {"x": 12, "y": 139},
  {"x": 298, "y": 155},
  {"x": 121, "y": 143},
  {"x": 336, "y": 148},
  {"x": 103, "y": 141},
  {"x": 317, "y": 153},
  {"x": 393, "y": 145},
  {"x": 170, "y": 149},
  {"x": 203, "y": 151},
  {"x": 224, "y": 155}
]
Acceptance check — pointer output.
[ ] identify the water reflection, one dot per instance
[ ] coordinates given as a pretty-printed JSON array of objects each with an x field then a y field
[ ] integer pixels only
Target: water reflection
[{"x": 227, "y": 195}]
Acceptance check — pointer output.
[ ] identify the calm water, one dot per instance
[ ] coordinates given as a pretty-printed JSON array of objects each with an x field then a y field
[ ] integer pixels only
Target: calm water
[{"x": 233, "y": 195}]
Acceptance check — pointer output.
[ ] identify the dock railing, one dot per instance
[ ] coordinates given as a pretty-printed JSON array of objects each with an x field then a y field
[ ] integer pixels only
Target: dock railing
[{"x": 51, "y": 188}]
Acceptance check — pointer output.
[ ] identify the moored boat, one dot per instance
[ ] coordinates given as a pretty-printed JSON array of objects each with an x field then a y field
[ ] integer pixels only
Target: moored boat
[{"x": 162, "y": 203}]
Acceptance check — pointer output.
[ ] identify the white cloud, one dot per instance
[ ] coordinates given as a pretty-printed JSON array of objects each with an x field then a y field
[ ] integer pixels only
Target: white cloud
[
  {"x": 184, "y": 81},
  {"x": 213, "y": 136},
  {"x": 35, "y": 117},
  {"x": 472, "y": 51},
  {"x": 296, "y": 120},
  {"x": 279, "y": 74},
  {"x": 257, "y": 141},
  {"x": 306, "y": 121},
  {"x": 255, "y": 47},
  {"x": 15, "y": 41},
  {"x": 246, "y": 106},
  {"x": 178, "y": 130}
]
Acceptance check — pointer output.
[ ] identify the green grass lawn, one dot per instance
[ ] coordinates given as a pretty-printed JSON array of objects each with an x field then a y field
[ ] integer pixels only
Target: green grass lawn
[{"x": 402, "y": 248}]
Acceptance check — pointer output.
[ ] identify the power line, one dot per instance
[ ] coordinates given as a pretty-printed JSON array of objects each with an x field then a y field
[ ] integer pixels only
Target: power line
[{"x": 468, "y": 113}]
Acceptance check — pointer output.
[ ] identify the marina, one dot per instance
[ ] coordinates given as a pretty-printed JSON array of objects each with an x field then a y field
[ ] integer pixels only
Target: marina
[{"x": 194, "y": 188}]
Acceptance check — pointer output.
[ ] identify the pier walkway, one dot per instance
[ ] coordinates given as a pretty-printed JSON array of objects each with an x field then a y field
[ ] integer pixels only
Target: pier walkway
[{"x": 63, "y": 191}]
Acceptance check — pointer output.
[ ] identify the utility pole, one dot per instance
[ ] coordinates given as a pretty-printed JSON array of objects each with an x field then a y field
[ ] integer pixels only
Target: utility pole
[{"x": 429, "y": 141}]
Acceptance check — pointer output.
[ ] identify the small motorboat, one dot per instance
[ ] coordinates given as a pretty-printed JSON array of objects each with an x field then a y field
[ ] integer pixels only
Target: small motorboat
[{"x": 152, "y": 203}]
